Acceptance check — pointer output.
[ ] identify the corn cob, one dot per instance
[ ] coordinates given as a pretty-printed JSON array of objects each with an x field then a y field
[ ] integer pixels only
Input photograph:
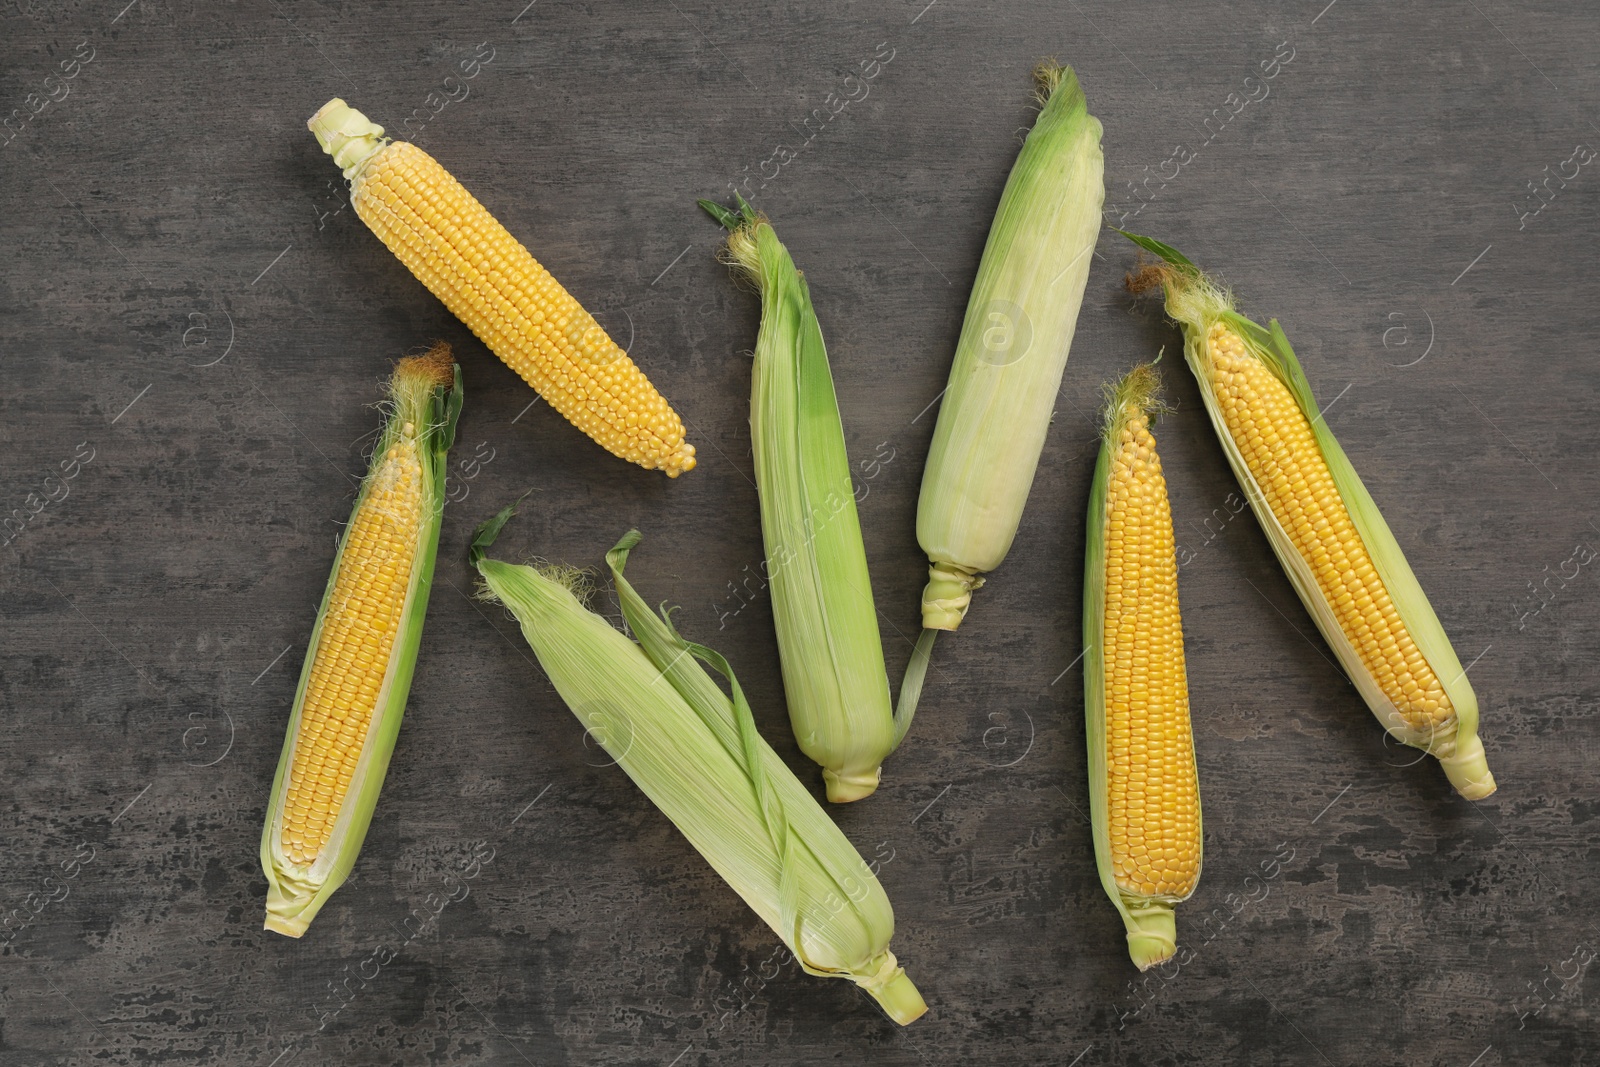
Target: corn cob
[
  {"x": 828, "y": 642},
  {"x": 362, "y": 651},
  {"x": 1322, "y": 524},
  {"x": 489, "y": 281},
  {"x": 1013, "y": 348},
  {"x": 696, "y": 754},
  {"x": 1144, "y": 792}
]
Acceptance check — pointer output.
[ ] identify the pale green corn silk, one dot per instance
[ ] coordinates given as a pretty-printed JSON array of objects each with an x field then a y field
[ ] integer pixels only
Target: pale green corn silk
[
  {"x": 822, "y": 607},
  {"x": 1020, "y": 319},
  {"x": 1151, "y": 925},
  {"x": 295, "y": 895},
  {"x": 696, "y": 754},
  {"x": 1195, "y": 301}
]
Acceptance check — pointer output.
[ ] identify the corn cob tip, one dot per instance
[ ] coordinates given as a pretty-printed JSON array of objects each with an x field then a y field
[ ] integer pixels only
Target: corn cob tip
[
  {"x": 681, "y": 461},
  {"x": 947, "y": 595},
  {"x": 1147, "y": 276},
  {"x": 1153, "y": 935},
  {"x": 843, "y": 788},
  {"x": 1191, "y": 294},
  {"x": 436, "y": 366},
  {"x": 1138, "y": 393},
  {"x": 1468, "y": 770},
  {"x": 347, "y": 135},
  {"x": 1048, "y": 74},
  {"x": 579, "y": 581},
  {"x": 742, "y": 250}
]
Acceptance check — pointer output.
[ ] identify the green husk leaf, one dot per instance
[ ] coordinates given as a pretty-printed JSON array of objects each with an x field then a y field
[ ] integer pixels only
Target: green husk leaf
[
  {"x": 1020, "y": 319},
  {"x": 489, "y": 531},
  {"x": 696, "y": 754},
  {"x": 294, "y": 894},
  {"x": 729, "y": 220},
  {"x": 1165, "y": 251},
  {"x": 1094, "y": 671},
  {"x": 911, "y": 684},
  {"x": 823, "y": 611},
  {"x": 670, "y": 653},
  {"x": 1195, "y": 302}
]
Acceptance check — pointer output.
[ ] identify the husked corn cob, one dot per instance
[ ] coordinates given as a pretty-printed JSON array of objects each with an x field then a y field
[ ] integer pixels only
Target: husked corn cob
[
  {"x": 696, "y": 754},
  {"x": 1281, "y": 452},
  {"x": 358, "y": 666},
  {"x": 490, "y": 281},
  {"x": 1323, "y": 525},
  {"x": 1144, "y": 790},
  {"x": 351, "y": 659}
]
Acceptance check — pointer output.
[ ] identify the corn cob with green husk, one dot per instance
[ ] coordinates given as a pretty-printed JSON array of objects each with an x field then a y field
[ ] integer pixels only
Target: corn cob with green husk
[
  {"x": 1013, "y": 348},
  {"x": 1144, "y": 792},
  {"x": 362, "y": 651},
  {"x": 822, "y": 609},
  {"x": 1322, "y": 524},
  {"x": 696, "y": 754}
]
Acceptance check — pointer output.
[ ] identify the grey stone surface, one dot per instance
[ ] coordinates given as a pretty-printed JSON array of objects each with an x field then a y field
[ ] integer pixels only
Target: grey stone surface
[{"x": 182, "y": 300}]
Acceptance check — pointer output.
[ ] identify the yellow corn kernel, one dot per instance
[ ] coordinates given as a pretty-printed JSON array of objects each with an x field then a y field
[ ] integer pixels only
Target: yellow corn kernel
[
  {"x": 1154, "y": 790},
  {"x": 352, "y": 654},
  {"x": 1144, "y": 790},
  {"x": 488, "y": 279},
  {"x": 1278, "y": 446}
]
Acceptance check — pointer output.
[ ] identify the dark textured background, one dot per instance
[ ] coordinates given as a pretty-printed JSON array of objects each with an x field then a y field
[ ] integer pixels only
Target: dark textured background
[{"x": 181, "y": 297}]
